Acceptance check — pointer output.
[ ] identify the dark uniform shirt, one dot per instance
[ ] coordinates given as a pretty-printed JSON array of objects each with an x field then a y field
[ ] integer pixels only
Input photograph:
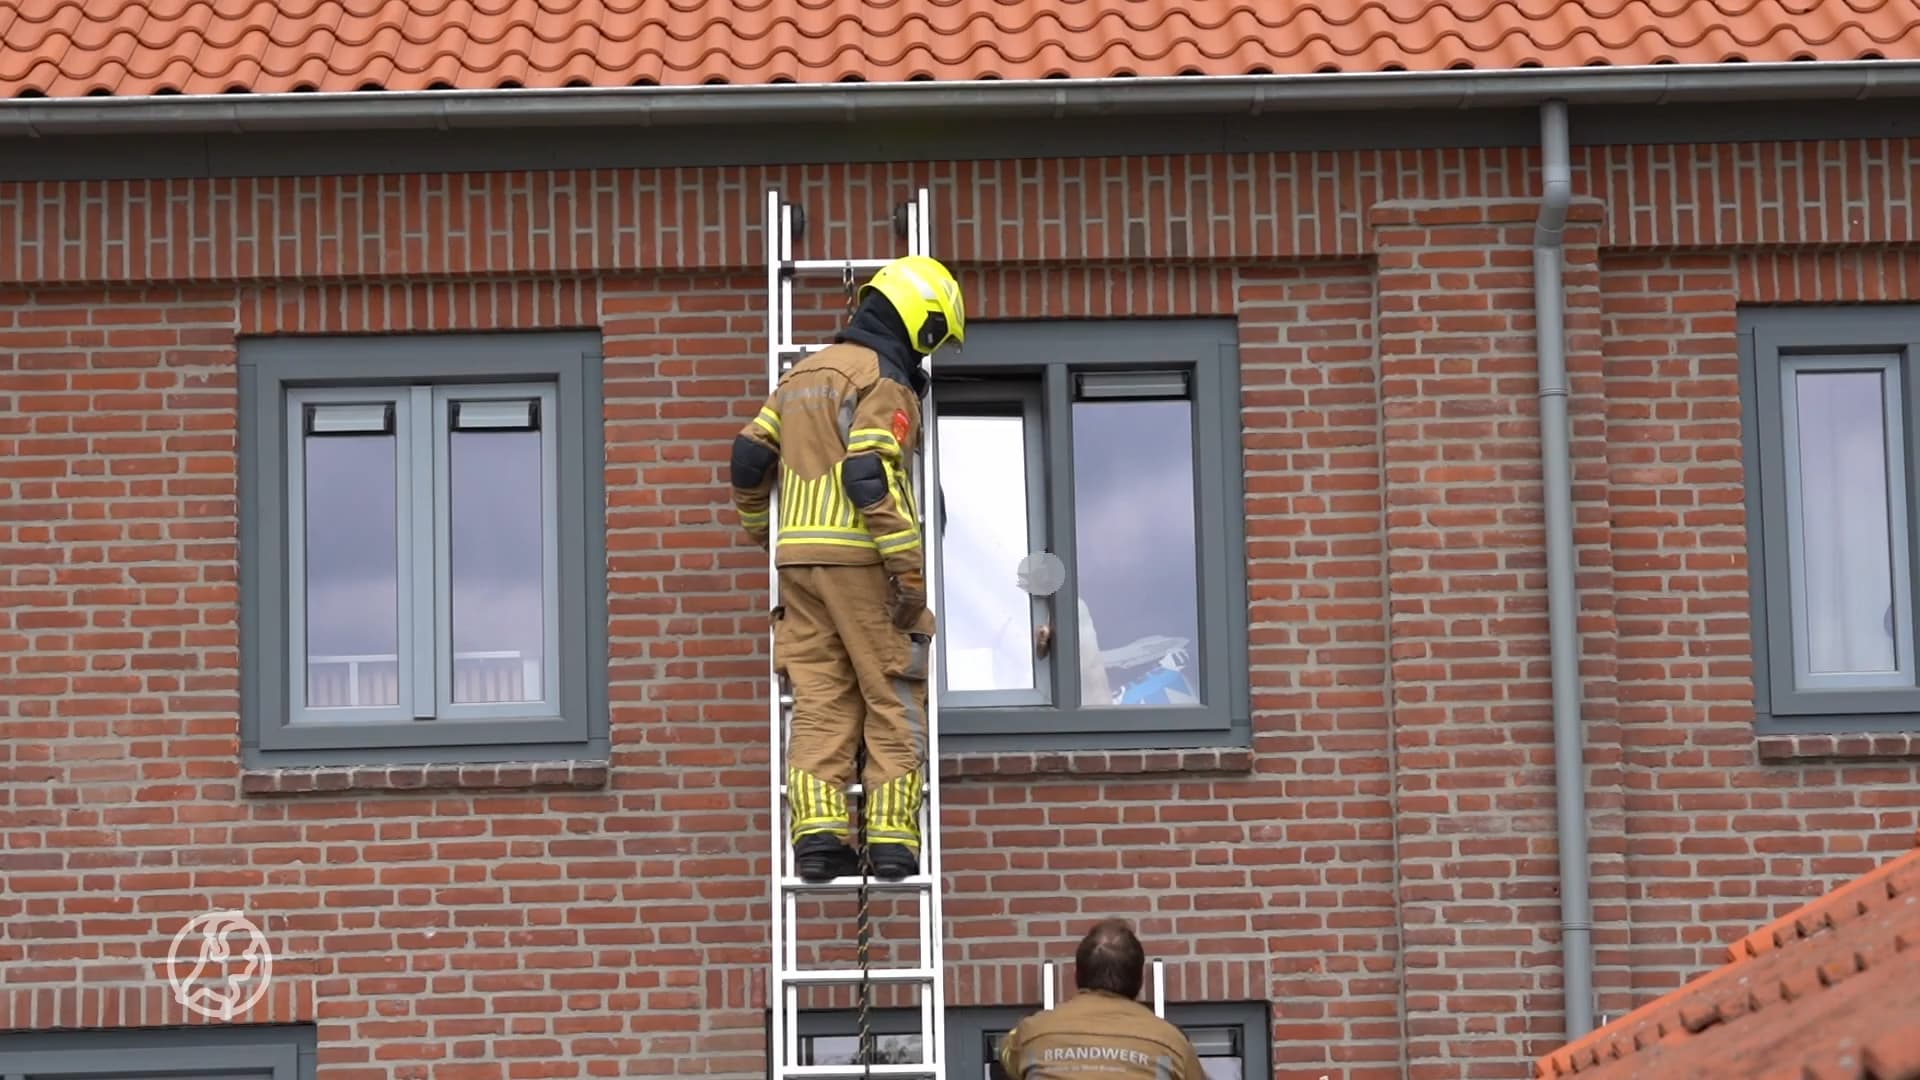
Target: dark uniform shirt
[{"x": 1096, "y": 1035}]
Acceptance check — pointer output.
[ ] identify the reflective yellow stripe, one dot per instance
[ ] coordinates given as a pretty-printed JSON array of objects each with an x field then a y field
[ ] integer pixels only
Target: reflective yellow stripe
[
  {"x": 893, "y": 816},
  {"x": 755, "y": 518},
  {"x": 821, "y": 533},
  {"x": 861, "y": 440},
  {"x": 910, "y": 505},
  {"x": 845, "y": 515},
  {"x": 909, "y": 538},
  {"x": 768, "y": 421},
  {"x": 809, "y": 540},
  {"x": 817, "y": 806},
  {"x": 818, "y": 511},
  {"x": 902, "y": 493}
]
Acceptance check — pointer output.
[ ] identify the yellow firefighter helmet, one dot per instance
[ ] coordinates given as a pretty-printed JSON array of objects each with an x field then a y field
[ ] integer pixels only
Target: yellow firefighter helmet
[{"x": 927, "y": 298}]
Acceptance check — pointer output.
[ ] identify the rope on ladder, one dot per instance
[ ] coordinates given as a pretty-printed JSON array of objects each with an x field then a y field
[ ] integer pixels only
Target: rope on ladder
[{"x": 863, "y": 922}]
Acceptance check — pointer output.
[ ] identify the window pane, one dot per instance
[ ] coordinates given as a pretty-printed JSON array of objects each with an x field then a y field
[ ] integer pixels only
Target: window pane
[
  {"x": 987, "y": 620},
  {"x": 496, "y": 535},
  {"x": 1214, "y": 1041},
  {"x": 1134, "y": 523},
  {"x": 844, "y": 1049},
  {"x": 1846, "y": 558},
  {"x": 351, "y": 546},
  {"x": 1219, "y": 1050}
]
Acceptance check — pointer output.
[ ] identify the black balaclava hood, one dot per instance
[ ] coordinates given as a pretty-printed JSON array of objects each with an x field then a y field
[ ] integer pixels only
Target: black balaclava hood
[{"x": 877, "y": 326}]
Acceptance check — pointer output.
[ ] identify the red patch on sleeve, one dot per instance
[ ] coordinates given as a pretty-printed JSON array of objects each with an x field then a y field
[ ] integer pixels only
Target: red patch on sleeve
[{"x": 900, "y": 425}]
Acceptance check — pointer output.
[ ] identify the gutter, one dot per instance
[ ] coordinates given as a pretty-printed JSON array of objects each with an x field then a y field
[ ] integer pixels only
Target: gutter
[
  {"x": 1056, "y": 99},
  {"x": 1563, "y": 599}
]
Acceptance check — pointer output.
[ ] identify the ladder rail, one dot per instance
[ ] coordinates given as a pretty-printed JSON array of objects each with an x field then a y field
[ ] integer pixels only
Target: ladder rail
[
  {"x": 934, "y": 1004},
  {"x": 786, "y": 976},
  {"x": 1159, "y": 967},
  {"x": 782, "y": 1041}
]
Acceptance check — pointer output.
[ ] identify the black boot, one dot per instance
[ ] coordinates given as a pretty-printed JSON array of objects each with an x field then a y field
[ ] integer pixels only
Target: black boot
[
  {"x": 820, "y": 857},
  {"x": 892, "y": 862}
]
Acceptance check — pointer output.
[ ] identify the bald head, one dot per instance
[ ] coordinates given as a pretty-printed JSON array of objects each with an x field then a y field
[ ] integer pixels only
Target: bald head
[{"x": 1110, "y": 958}]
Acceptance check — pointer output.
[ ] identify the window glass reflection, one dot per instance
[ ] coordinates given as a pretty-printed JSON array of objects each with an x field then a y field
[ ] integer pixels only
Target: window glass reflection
[
  {"x": 352, "y": 588},
  {"x": 498, "y": 571},
  {"x": 986, "y": 620},
  {"x": 1845, "y": 522},
  {"x": 845, "y": 1049},
  {"x": 1135, "y": 547}
]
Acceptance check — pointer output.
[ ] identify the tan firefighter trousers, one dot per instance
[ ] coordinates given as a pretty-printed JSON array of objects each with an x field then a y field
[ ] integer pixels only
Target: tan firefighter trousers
[{"x": 855, "y": 676}]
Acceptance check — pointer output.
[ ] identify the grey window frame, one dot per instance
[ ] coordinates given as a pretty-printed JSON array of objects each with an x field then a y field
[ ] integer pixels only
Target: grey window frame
[
  {"x": 966, "y": 1027},
  {"x": 551, "y": 577},
  {"x": 1002, "y": 399},
  {"x": 278, "y": 1051},
  {"x": 1773, "y": 342},
  {"x": 402, "y": 421},
  {"x": 999, "y": 361},
  {"x": 420, "y": 371}
]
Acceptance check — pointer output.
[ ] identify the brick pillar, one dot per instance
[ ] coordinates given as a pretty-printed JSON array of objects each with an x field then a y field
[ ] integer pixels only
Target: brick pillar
[
  {"x": 1472, "y": 694},
  {"x": 1315, "y": 548}
]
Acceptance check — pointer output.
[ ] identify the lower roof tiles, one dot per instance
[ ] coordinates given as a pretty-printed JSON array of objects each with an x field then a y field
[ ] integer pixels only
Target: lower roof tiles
[{"x": 1828, "y": 992}]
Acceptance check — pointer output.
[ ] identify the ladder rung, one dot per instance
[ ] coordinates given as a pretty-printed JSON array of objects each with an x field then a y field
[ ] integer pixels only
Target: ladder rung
[
  {"x": 786, "y": 349},
  {"x": 856, "y": 1072},
  {"x": 849, "y": 976},
  {"x": 821, "y": 266},
  {"x": 852, "y": 884}
]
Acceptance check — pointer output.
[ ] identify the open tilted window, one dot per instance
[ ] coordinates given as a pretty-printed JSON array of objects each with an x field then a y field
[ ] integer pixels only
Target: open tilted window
[{"x": 1093, "y": 587}]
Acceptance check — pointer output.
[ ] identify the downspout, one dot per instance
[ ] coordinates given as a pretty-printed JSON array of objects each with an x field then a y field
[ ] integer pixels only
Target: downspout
[{"x": 1563, "y": 600}]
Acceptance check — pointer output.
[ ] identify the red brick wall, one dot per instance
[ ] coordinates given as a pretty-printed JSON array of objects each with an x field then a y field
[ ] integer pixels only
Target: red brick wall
[
  {"x": 1722, "y": 832},
  {"x": 1381, "y": 867}
]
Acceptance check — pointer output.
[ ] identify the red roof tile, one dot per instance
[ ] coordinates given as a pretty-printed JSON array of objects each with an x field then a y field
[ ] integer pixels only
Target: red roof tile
[
  {"x": 69, "y": 48},
  {"x": 1829, "y": 992}
]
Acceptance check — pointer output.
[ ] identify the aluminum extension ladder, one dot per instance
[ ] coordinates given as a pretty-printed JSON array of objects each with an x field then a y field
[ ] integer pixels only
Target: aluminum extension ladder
[
  {"x": 785, "y": 979},
  {"x": 1047, "y": 992}
]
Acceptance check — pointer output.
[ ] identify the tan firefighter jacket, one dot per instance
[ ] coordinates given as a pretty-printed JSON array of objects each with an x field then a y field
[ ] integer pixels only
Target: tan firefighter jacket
[
  {"x": 1096, "y": 1035},
  {"x": 831, "y": 410}
]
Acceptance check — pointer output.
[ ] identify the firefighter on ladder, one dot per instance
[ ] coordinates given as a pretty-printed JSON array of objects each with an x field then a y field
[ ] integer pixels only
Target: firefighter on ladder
[{"x": 852, "y": 631}]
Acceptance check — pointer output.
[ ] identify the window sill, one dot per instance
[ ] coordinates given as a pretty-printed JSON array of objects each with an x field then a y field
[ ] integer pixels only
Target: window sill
[
  {"x": 571, "y": 775},
  {"x": 1082, "y": 763},
  {"x": 1814, "y": 746}
]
